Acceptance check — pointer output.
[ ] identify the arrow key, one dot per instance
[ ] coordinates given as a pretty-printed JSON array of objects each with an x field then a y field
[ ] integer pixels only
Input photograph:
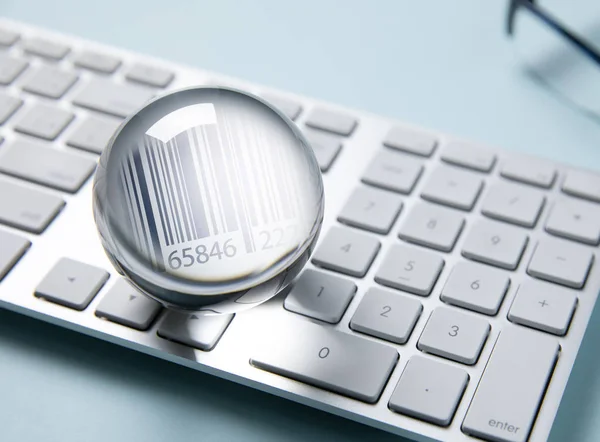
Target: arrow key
[
  {"x": 72, "y": 284},
  {"x": 124, "y": 305},
  {"x": 194, "y": 330}
]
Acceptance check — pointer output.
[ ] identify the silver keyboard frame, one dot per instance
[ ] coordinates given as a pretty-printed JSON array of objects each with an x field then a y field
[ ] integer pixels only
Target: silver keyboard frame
[{"x": 73, "y": 234}]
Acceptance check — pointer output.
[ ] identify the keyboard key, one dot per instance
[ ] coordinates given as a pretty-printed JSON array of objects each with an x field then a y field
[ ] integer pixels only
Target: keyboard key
[
  {"x": 475, "y": 287},
  {"x": 561, "y": 262},
  {"x": 27, "y": 209},
  {"x": 386, "y": 315},
  {"x": 290, "y": 108},
  {"x": 429, "y": 390},
  {"x": 410, "y": 140},
  {"x": 346, "y": 251},
  {"x": 50, "y": 81},
  {"x": 97, "y": 61},
  {"x": 576, "y": 220},
  {"x": 150, "y": 75},
  {"x": 432, "y": 226},
  {"x": 124, "y": 305},
  {"x": 371, "y": 209},
  {"x": 507, "y": 399},
  {"x": 331, "y": 121},
  {"x": 495, "y": 243},
  {"x": 454, "y": 335},
  {"x": 111, "y": 98},
  {"x": 320, "y": 296},
  {"x": 325, "y": 147},
  {"x": 45, "y": 48},
  {"x": 93, "y": 133},
  {"x": 8, "y": 37},
  {"x": 72, "y": 284},
  {"x": 44, "y": 121},
  {"x": 194, "y": 330},
  {"x": 8, "y": 106},
  {"x": 10, "y": 68},
  {"x": 513, "y": 203},
  {"x": 469, "y": 156},
  {"x": 328, "y": 359},
  {"x": 13, "y": 248},
  {"x": 529, "y": 171},
  {"x": 393, "y": 171},
  {"x": 582, "y": 184},
  {"x": 543, "y": 306},
  {"x": 410, "y": 269},
  {"x": 46, "y": 165},
  {"x": 452, "y": 187}
]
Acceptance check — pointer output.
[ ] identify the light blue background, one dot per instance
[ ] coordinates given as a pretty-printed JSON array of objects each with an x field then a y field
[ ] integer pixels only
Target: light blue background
[{"x": 444, "y": 65}]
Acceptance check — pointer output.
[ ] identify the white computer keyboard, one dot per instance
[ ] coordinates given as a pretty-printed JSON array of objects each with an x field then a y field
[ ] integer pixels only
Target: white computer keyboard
[{"x": 447, "y": 297}]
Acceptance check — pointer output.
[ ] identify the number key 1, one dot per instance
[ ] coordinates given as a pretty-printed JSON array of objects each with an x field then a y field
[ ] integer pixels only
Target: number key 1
[{"x": 386, "y": 315}]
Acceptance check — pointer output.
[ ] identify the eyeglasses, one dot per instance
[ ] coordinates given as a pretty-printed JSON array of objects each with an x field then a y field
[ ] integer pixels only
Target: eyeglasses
[{"x": 565, "y": 61}]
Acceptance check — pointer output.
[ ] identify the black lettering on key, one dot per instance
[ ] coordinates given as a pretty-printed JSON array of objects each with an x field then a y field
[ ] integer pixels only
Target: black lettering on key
[{"x": 324, "y": 352}]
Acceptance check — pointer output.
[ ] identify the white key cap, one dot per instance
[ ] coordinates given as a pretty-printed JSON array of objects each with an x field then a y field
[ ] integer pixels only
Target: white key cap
[
  {"x": 289, "y": 107},
  {"x": 111, "y": 98},
  {"x": 26, "y": 208},
  {"x": 46, "y": 165},
  {"x": 529, "y": 171},
  {"x": 44, "y": 121},
  {"x": 13, "y": 248},
  {"x": 513, "y": 203},
  {"x": 371, "y": 209},
  {"x": 582, "y": 184},
  {"x": 96, "y": 61},
  {"x": 475, "y": 287},
  {"x": 429, "y": 390},
  {"x": 469, "y": 156},
  {"x": 10, "y": 68},
  {"x": 45, "y": 48},
  {"x": 320, "y": 295},
  {"x": 410, "y": 269},
  {"x": 50, "y": 81},
  {"x": 350, "y": 365},
  {"x": 72, "y": 284},
  {"x": 453, "y": 187},
  {"x": 393, "y": 171},
  {"x": 454, "y": 335},
  {"x": 495, "y": 243},
  {"x": 346, "y": 251},
  {"x": 8, "y": 106},
  {"x": 150, "y": 75},
  {"x": 326, "y": 148},
  {"x": 576, "y": 220},
  {"x": 93, "y": 133},
  {"x": 411, "y": 141},
  {"x": 507, "y": 399},
  {"x": 561, "y": 262},
  {"x": 124, "y": 305},
  {"x": 432, "y": 226},
  {"x": 544, "y": 306},
  {"x": 332, "y": 121},
  {"x": 386, "y": 315},
  {"x": 198, "y": 331},
  {"x": 8, "y": 37}
]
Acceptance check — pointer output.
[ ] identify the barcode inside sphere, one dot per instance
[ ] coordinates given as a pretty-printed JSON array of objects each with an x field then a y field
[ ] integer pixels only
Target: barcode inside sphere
[{"x": 203, "y": 182}]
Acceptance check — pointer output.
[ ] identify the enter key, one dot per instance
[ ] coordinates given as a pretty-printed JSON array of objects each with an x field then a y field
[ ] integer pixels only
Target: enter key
[{"x": 507, "y": 399}]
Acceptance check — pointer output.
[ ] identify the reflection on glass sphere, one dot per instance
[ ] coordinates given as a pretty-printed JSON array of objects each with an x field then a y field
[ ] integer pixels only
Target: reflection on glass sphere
[{"x": 208, "y": 199}]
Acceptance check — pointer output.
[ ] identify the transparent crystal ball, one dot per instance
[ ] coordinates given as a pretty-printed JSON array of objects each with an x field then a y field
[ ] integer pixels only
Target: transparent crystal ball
[{"x": 208, "y": 199}]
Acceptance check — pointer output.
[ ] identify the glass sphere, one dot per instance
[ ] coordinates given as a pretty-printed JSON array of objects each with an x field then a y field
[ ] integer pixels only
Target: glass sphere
[{"x": 208, "y": 199}]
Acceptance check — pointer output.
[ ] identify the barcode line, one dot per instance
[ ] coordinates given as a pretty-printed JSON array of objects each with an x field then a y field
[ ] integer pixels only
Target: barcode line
[
  {"x": 134, "y": 207},
  {"x": 164, "y": 219},
  {"x": 213, "y": 182},
  {"x": 178, "y": 190},
  {"x": 207, "y": 200},
  {"x": 184, "y": 186},
  {"x": 193, "y": 187},
  {"x": 167, "y": 192}
]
